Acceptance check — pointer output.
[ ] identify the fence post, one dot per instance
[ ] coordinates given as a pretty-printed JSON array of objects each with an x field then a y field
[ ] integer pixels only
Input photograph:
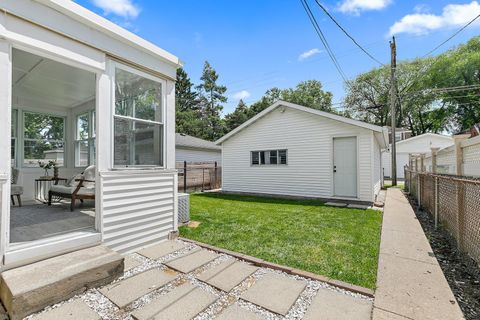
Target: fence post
[
  {"x": 460, "y": 214},
  {"x": 419, "y": 186},
  {"x": 422, "y": 162},
  {"x": 203, "y": 179},
  {"x": 458, "y": 139},
  {"x": 184, "y": 176},
  {"x": 436, "y": 201}
]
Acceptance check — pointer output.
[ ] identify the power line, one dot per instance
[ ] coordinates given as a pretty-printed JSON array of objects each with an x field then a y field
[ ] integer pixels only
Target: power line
[
  {"x": 452, "y": 36},
  {"x": 348, "y": 35},
  {"x": 324, "y": 41},
  {"x": 419, "y": 74}
]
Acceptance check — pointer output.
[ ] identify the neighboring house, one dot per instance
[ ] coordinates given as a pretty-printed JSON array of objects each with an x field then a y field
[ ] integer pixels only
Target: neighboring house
[
  {"x": 77, "y": 87},
  {"x": 192, "y": 149},
  {"x": 418, "y": 144},
  {"x": 400, "y": 134},
  {"x": 292, "y": 150}
]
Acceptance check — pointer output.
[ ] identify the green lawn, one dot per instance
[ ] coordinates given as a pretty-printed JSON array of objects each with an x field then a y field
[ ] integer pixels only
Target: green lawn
[{"x": 339, "y": 243}]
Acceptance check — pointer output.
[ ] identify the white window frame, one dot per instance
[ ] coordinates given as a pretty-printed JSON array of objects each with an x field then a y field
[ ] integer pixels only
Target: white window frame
[
  {"x": 267, "y": 153},
  {"x": 90, "y": 139},
  {"x": 117, "y": 65},
  {"x": 23, "y": 139}
]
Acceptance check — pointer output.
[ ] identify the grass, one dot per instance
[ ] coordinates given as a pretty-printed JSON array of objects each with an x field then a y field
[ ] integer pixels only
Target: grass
[{"x": 340, "y": 243}]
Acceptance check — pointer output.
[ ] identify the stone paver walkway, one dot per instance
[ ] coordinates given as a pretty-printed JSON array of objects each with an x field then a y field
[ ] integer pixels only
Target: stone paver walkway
[
  {"x": 179, "y": 280},
  {"x": 410, "y": 282}
]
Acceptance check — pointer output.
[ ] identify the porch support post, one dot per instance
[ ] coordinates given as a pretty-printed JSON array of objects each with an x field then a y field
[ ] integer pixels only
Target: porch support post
[{"x": 5, "y": 141}]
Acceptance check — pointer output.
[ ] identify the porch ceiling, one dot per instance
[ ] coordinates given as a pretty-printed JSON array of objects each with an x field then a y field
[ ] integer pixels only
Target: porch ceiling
[{"x": 44, "y": 82}]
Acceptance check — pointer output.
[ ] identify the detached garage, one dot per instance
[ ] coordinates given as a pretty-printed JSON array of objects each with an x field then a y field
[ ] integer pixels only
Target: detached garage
[{"x": 292, "y": 150}]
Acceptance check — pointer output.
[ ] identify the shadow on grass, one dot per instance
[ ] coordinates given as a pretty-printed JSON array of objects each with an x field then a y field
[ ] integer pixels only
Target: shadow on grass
[{"x": 260, "y": 199}]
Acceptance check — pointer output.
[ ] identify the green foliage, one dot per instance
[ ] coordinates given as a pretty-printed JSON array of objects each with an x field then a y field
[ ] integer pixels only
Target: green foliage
[
  {"x": 340, "y": 243},
  {"x": 424, "y": 106},
  {"x": 237, "y": 117}
]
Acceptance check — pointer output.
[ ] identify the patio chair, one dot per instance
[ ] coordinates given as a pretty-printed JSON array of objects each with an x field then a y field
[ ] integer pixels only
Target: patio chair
[
  {"x": 79, "y": 187},
  {"x": 15, "y": 189}
]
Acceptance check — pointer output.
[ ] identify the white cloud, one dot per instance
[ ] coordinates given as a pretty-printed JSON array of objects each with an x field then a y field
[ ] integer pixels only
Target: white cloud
[
  {"x": 453, "y": 15},
  {"x": 308, "y": 54},
  {"x": 356, "y": 6},
  {"x": 241, "y": 95},
  {"x": 123, "y": 8}
]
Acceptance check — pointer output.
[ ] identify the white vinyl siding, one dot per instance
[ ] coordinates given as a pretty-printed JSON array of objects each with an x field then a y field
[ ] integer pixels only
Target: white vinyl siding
[
  {"x": 377, "y": 167},
  {"x": 309, "y": 141},
  {"x": 198, "y": 155},
  {"x": 138, "y": 208}
]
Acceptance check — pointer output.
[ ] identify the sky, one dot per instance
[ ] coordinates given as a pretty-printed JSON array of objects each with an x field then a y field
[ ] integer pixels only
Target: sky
[{"x": 258, "y": 44}]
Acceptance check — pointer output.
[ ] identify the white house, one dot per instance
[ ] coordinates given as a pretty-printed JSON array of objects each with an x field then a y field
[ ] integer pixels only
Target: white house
[
  {"x": 292, "y": 150},
  {"x": 192, "y": 149},
  {"x": 88, "y": 93},
  {"x": 418, "y": 144}
]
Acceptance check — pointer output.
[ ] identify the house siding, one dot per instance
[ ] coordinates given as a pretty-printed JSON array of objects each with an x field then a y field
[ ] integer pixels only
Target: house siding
[
  {"x": 377, "y": 167},
  {"x": 138, "y": 208},
  {"x": 309, "y": 141},
  {"x": 192, "y": 155}
]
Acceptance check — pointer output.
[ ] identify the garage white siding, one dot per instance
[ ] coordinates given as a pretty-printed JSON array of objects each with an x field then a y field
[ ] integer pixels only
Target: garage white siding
[
  {"x": 309, "y": 141},
  {"x": 138, "y": 208},
  {"x": 192, "y": 155},
  {"x": 377, "y": 167}
]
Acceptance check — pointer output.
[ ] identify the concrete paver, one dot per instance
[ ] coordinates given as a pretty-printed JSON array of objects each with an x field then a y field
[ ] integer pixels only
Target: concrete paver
[
  {"x": 358, "y": 206},
  {"x": 182, "y": 303},
  {"x": 227, "y": 275},
  {"x": 162, "y": 249},
  {"x": 75, "y": 310},
  {"x": 234, "y": 312},
  {"x": 131, "y": 263},
  {"x": 190, "y": 262},
  {"x": 410, "y": 282},
  {"x": 275, "y": 292},
  {"x": 335, "y": 204},
  {"x": 124, "y": 292},
  {"x": 332, "y": 305}
]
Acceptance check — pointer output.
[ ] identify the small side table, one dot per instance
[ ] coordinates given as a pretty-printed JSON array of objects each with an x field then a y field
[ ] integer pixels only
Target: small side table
[{"x": 42, "y": 186}]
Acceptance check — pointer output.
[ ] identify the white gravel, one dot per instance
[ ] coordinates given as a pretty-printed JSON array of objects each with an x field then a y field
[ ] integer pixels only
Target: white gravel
[{"x": 108, "y": 311}]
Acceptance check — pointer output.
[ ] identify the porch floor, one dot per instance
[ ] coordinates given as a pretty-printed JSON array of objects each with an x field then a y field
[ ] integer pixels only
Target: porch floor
[{"x": 39, "y": 221}]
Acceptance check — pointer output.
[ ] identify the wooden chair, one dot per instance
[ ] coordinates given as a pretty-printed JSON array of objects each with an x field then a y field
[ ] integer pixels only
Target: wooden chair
[
  {"x": 79, "y": 187},
  {"x": 15, "y": 189}
]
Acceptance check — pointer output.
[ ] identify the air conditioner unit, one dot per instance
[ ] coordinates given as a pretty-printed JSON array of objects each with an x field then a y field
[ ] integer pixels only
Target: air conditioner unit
[{"x": 183, "y": 208}]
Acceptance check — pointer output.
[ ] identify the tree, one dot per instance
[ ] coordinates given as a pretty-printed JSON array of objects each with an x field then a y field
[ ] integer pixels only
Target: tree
[
  {"x": 237, "y": 117},
  {"x": 188, "y": 119},
  {"x": 211, "y": 97},
  {"x": 309, "y": 94}
]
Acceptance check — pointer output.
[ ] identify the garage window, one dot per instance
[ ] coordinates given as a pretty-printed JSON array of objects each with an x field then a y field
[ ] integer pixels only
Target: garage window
[{"x": 269, "y": 157}]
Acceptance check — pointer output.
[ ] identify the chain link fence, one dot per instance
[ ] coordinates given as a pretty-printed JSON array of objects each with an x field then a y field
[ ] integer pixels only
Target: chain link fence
[{"x": 453, "y": 202}]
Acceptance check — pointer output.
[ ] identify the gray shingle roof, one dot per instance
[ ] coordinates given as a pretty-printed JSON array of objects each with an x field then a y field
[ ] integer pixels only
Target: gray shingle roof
[{"x": 186, "y": 141}]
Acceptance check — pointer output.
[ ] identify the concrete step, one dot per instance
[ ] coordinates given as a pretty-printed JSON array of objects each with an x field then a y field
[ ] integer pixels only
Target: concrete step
[{"x": 30, "y": 288}]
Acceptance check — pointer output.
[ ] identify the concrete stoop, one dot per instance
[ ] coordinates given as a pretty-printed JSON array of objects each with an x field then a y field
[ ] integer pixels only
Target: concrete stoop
[{"x": 31, "y": 288}]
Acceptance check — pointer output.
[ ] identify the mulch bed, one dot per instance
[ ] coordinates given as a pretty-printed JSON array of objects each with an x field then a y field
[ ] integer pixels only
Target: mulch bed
[{"x": 461, "y": 271}]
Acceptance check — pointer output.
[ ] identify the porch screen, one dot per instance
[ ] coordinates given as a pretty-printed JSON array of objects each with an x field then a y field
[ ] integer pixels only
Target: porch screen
[{"x": 138, "y": 120}]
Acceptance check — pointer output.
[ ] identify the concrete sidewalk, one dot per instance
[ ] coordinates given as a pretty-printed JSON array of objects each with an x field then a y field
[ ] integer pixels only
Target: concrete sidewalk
[{"x": 410, "y": 282}]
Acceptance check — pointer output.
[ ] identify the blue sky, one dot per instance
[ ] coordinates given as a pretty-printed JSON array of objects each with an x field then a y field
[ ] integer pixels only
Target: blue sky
[{"x": 258, "y": 44}]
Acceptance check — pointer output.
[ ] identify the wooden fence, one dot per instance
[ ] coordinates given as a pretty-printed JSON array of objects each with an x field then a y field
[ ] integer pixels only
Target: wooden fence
[{"x": 198, "y": 176}]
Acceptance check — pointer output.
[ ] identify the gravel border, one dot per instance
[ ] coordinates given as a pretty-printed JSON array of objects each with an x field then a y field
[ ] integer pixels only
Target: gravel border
[{"x": 460, "y": 270}]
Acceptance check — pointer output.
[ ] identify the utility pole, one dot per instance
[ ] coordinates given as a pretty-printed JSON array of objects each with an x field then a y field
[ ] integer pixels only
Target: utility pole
[{"x": 393, "y": 100}]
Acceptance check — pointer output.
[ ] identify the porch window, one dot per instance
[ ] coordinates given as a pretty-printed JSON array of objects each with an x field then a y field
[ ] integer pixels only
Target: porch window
[
  {"x": 138, "y": 120},
  {"x": 43, "y": 138},
  {"x": 85, "y": 139},
  {"x": 270, "y": 157}
]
